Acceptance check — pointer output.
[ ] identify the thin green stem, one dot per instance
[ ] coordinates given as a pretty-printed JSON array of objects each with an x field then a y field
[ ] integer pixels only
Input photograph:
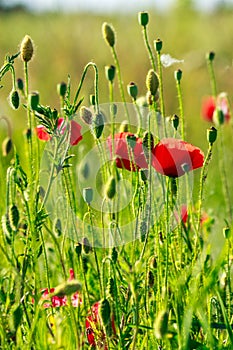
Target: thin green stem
[
  {"x": 181, "y": 108},
  {"x": 161, "y": 94},
  {"x": 146, "y": 41}
]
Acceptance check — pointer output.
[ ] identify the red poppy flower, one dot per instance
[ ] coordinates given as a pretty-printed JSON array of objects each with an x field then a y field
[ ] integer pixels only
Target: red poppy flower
[
  {"x": 56, "y": 301},
  {"x": 173, "y": 158},
  {"x": 210, "y": 104},
  {"x": 94, "y": 331},
  {"x": 75, "y": 133},
  {"x": 130, "y": 157}
]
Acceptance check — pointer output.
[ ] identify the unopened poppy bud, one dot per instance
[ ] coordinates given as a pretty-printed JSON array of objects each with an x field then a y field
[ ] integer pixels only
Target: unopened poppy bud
[
  {"x": 108, "y": 34},
  {"x": 20, "y": 84},
  {"x": 86, "y": 115},
  {"x": 175, "y": 121},
  {"x": 143, "y": 18},
  {"x": 98, "y": 124},
  {"x": 78, "y": 249},
  {"x": 14, "y": 99},
  {"x": 218, "y": 117},
  {"x": 86, "y": 245},
  {"x": 158, "y": 44},
  {"x": 114, "y": 255},
  {"x": 26, "y": 49},
  {"x": 226, "y": 232},
  {"x": 131, "y": 141},
  {"x": 13, "y": 214},
  {"x": 33, "y": 100},
  {"x": 148, "y": 140},
  {"x": 88, "y": 195},
  {"x": 210, "y": 56},
  {"x": 124, "y": 127},
  {"x": 132, "y": 90},
  {"x": 67, "y": 288},
  {"x": 27, "y": 133},
  {"x": 151, "y": 279},
  {"x": 144, "y": 175},
  {"x": 211, "y": 135},
  {"x": 111, "y": 286},
  {"x": 61, "y": 89},
  {"x": 161, "y": 324},
  {"x": 57, "y": 227},
  {"x": 152, "y": 82},
  {"x": 85, "y": 170},
  {"x": 7, "y": 145},
  {"x": 85, "y": 263},
  {"x": 178, "y": 75},
  {"x": 154, "y": 262},
  {"x": 110, "y": 72},
  {"x": 111, "y": 187},
  {"x": 92, "y": 99},
  {"x": 105, "y": 311},
  {"x": 113, "y": 109},
  {"x": 149, "y": 98}
]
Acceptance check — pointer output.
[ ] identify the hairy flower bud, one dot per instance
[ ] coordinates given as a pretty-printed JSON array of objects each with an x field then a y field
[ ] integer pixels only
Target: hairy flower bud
[
  {"x": 98, "y": 124},
  {"x": 13, "y": 214},
  {"x": 105, "y": 311},
  {"x": 61, "y": 89},
  {"x": 158, "y": 45},
  {"x": 152, "y": 82},
  {"x": 111, "y": 187},
  {"x": 175, "y": 121},
  {"x": 108, "y": 34},
  {"x": 88, "y": 195},
  {"x": 7, "y": 145},
  {"x": 211, "y": 135},
  {"x": 161, "y": 324},
  {"x": 14, "y": 99},
  {"x": 33, "y": 100},
  {"x": 26, "y": 49},
  {"x": 178, "y": 75}
]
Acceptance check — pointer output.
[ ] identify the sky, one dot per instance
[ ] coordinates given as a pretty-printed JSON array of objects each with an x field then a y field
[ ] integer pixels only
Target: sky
[{"x": 108, "y": 5}]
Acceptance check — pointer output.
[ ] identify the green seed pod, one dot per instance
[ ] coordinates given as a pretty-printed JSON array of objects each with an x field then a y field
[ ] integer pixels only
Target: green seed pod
[
  {"x": 108, "y": 34},
  {"x": 7, "y": 145},
  {"x": 105, "y": 311},
  {"x": 111, "y": 187},
  {"x": 110, "y": 72},
  {"x": 78, "y": 249},
  {"x": 211, "y": 135},
  {"x": 175, "y": 121},
  {"x": 151, "y": 279},
  {"x": 143, "y": 18},
  {"x": 67, "y": 288},
  {"x": 98, "y": 125},
  {"x": 114, "y": 255},
  {"x": 124, "y": 127},
  {"x": 86, "y": 245},
  {"x": 161, "y": 324},
  {"x": 86, "y": 115},
  {"x": 158, "y": 44},
  {"x": 111, "y": 287},
  {"x": 131, "y": 141},
  {"x": 14, "y": 99},
  {"x": 33, "y": 100},
  {"x": 132, "y": 90},
  {"x": 20, "y": 84},
  {"x": 88, "y": 195},
  {"x": 13, "y": 214},
  {"x": 226, "y": 232},
  {"x": 210, "y": 56},
  {"x": 26, "y": 49},
  {"x": 61, "y": 89},
  {"x": 152, "y": 82},
  {"x": 178, "y": 75}
]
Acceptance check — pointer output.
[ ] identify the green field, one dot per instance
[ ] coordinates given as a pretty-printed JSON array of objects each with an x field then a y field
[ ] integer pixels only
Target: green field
[{"x": 171, "y": 288}]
